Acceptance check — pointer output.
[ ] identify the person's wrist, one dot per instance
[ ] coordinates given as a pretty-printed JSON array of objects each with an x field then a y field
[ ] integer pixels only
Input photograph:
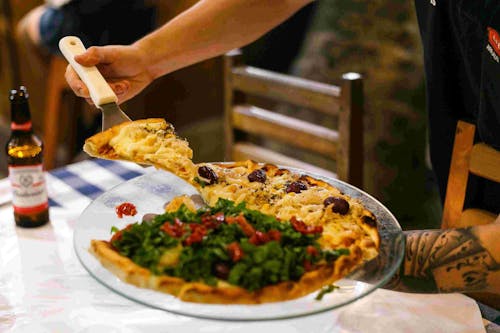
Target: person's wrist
[{"x": 144, "y": 50}]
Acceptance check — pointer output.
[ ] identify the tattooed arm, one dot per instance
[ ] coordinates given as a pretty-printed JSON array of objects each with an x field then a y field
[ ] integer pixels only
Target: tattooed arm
[{"x": 451, "y": 260}]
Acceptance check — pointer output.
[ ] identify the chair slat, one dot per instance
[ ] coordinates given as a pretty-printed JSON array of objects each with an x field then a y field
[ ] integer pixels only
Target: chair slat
[
  {"x": 458, "y": 175},
  {"x": 245, "y": 150},
  {"x": 485, "y": 162},
  {"x": 286, "y": 88},
  {"x": 474, "y": 216},
  {"x": 344, "y": 104},
  {"x": 351, "y": 155},
  {"x": 290, "y": 130}
]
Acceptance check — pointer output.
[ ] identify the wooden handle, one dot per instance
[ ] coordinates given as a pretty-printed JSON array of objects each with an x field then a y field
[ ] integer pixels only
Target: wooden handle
[{"x": 100, "y": 91}]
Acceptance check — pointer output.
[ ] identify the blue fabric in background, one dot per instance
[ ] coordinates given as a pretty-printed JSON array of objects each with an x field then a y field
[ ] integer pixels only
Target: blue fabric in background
[{"x": 97, "y": 22}]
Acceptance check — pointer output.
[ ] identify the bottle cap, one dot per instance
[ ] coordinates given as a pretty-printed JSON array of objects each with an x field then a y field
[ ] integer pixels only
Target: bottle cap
[{"x": 19, "y": 94}]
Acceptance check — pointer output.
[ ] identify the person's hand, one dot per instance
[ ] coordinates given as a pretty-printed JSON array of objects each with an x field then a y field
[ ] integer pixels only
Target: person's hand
[{"x": 123, "y": 67}]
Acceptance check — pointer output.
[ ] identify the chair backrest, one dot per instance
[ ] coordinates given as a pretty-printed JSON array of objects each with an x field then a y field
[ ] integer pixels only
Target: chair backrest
[
  {"x": 468, "y": 157},
  {"x": 343, "y": 144}
]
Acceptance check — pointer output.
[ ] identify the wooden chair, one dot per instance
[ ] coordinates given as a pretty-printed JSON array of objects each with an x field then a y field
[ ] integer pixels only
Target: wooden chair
[
  {"x": 344, "y": 144},
  {"x": 481, "y": 160},
  {"x": 468, "y": 157},
  {"x": 52, "y": 125}
]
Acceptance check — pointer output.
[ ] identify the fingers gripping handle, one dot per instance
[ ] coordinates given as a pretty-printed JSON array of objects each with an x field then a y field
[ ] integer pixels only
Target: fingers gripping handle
[{"x": 100, "y": 91}]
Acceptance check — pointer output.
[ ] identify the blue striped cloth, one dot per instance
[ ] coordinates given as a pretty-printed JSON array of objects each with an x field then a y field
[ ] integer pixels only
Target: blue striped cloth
[
  {"x": 74, "y": 186},
  {"x": 93, "y": 188},
  {"x": 79, "y": 183}
]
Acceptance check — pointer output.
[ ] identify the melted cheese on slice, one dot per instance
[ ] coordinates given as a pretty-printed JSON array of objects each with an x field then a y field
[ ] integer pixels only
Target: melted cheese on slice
[{"x": 154, "y": 143}]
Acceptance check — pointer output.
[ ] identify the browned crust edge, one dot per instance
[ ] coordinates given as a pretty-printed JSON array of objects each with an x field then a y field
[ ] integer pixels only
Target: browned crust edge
[{"x": 125, "y": 269}]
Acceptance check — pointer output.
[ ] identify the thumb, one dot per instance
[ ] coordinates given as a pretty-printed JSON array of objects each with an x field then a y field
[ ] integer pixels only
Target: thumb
[{"x": 95, "y": 55}]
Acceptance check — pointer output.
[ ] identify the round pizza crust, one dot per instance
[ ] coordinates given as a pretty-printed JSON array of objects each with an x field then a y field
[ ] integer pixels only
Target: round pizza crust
[{"x": 224, "y": 293}]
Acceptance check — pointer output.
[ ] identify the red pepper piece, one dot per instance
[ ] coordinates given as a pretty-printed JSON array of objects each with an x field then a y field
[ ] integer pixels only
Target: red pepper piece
[
  {"x": 308, "y": 266},
  {"x": 259, "y": 238},
  {"x": 235, "y": 251},
  {"x": 247, "y": 228},
  {"x": 274, "y": 235},
  {"x": 125, "y": 208},
  {"x": 119, "y": 234},
  {"x": 213, "y": 221},
  {"x": 175, "y": 230},
  {"x": 311, "y": 250},
  {"x": 301, "y": 227},
  {"x": 198, "y": 231}
]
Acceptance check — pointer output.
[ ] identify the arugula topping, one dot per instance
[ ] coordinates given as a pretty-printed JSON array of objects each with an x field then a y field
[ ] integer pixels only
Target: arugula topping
[
  {"x": 325, "y": 290},
  {"x": 226, "y": 242},
  {"x": 201, "y": 182}
]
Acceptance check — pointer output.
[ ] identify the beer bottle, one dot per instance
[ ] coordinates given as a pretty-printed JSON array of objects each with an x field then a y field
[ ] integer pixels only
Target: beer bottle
[{"x": 24, "y": 157}]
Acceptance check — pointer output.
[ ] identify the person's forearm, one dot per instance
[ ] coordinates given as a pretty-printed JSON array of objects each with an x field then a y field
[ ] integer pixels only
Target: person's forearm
[
  {"x": 451, "y": 260},
  {"x": 211, "y": 28}
]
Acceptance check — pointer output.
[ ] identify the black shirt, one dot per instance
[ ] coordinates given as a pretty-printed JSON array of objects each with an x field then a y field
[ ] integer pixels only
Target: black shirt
[{"x": 463, "y": 82}]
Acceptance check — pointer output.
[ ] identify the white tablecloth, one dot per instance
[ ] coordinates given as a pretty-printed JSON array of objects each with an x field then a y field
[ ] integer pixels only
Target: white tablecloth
[{"x": 44, "y": 288}]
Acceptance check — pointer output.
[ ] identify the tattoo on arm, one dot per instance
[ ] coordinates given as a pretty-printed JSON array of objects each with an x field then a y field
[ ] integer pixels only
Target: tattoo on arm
[{"x": 451, "y": 260}]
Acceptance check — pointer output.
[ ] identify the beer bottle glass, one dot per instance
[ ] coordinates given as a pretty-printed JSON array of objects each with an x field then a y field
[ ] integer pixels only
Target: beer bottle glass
[{"x": 24, "y": 158}]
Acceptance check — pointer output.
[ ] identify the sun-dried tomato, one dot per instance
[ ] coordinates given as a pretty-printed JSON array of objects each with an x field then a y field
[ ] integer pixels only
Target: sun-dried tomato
[
  {"x": 259, "y": 238},
  {"x": 311, "y": 250},
  {"x": 301, "y": 227},
  {"x": 247, "y": 228},
  {"x": 235, "y": 252},
  {"x": 198, "y": 231},
  {"x": 308, "y": 266},
  {"x": 125, "y": 208},
  {"x": 274, "y": 235},
  {"x": 119, "y": 234},
  {"x": 175, "y": 230},
  {"x": 212, "y": 221}
]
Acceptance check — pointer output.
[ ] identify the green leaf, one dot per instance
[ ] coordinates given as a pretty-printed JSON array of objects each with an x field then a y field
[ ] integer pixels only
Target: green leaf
[
  {"x": 332, "y": 255},
  {"x": 199, "y": 181},
  {"x": 325, "y": 290},
  {"x": 261, "y": 265}
]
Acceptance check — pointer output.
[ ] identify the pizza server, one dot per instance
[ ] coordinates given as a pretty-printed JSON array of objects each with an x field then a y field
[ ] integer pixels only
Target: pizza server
[{"x": 100, "y": 92}]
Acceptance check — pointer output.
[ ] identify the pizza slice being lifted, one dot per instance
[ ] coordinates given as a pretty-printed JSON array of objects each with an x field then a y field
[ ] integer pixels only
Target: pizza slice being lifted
[{"x": 147, "y": 141}]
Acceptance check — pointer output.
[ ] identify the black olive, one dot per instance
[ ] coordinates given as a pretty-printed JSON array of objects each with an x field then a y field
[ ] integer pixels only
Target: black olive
[
  {"x": 222, "y": 271},
  {"x": 369, "y": 220},
  {"x": 208, "y": 173},
  {"x": 328, "y": 201},
  {"x": 296, "y": 187},
  {"x": 258, "y": 175},
  {"x": 340, "y": 206}
]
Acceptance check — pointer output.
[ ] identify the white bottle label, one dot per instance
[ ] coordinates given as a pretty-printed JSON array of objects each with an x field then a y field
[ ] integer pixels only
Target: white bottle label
[{"x": 29, "y": 192}]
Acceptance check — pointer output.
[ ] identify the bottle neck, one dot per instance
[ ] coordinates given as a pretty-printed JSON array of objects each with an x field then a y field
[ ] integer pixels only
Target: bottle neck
[{"x": 20, "y": 116}]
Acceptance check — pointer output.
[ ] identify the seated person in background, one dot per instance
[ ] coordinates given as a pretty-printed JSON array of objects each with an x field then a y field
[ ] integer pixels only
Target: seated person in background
[{"x": 95, "y": 22}]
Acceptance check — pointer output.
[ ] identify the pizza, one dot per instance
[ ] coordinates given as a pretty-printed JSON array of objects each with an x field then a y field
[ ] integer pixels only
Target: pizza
[
  {"x": 284, "y": 194},
  {"x": 147, "y": 141},
  {"x": 264, "y": 233}
]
